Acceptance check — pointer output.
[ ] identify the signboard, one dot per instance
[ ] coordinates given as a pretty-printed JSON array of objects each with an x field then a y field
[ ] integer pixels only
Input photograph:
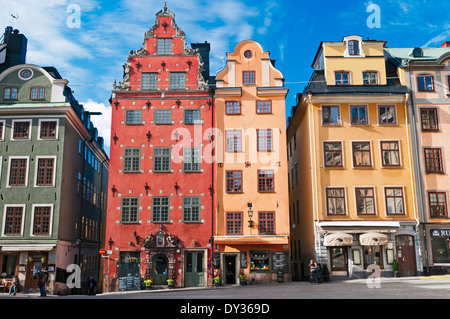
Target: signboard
[
  {"x": 440, "y": 232},
  {"x": 129, "y": 283},
  {"x": 280, "y": 261}
]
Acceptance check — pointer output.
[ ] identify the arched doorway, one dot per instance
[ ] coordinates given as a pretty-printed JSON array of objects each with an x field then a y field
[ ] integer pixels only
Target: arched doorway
[
  {"x": 406, "y": 255},
  {"x": 160, "y": 268}
]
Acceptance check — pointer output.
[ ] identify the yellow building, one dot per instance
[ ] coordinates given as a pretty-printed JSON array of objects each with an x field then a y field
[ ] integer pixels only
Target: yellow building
[
  {"x": 352, "y": 191},
  {"x": 252, "y": 223}
]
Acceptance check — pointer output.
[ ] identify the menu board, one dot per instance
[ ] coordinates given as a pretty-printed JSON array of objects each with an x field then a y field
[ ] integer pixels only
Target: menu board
[
  {"x": 280, "y": 261},
  {"x": 129, "y": 283}
]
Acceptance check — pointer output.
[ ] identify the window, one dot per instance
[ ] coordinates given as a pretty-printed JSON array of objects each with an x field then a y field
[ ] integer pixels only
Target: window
[
  {"x": 149, "y": 81},
  {"x": 394, "y": 200},
  {"x": 10, "y": 93},
  {"x": 266, "y": 223},
  {"x": 333, "y": 154},
  {"x": 264, "y": 143},
  {"x": 37, "y": 93},
  {"x": 48, "y": 130},
  {"x": 130, "y": 210},
  {"x": 438, "y": 204},
  {"x": 296, "y": 172},
  {"x": 342, "y": 78},
  {"x": 390, "y": 153},
  {"x": 133, "y": 117},
  {"x": 192, "y": 117},
  {"x": 335, "y": 201},
  {"x": 361, "y": 154},
  {"x": 386, "y": 114},
  {"x": 132, "y": 160},
  {"x": 234, "y": 223},
  {"x": 433, "y": 160},
  {"x": 13, "y": 220},
  {"x": 248, "y": 54},
  {"x": 164, "y": 46},
  {"x": 163, "y": 116},
  {"x": 429, "y": 119},
  {"x": 191, "y": 209},
  {"x": 330, "y": 115},
  {"x": 45, "y": 169},
  {"x": 18, "y": 172},
  {"x": 2, "y": 130},
  {"x": 177, "y": 81},
  {"x": 263, "y": 107},
  {"x": 160, "y": 209},
  {"x": 359, "y": 115},
  {"x": 425, "y": 82},
  {"x": 234, "y": 181},
  {"x": 233, "y": 107},
  {"x": 370, "y": 78},
  {"x": 21, "y": 130},
  {"x": 233, "y": 141},
  {"x": 259, "y": 261},
  {"x": 9, "y": 263},
  {"x": 41, "y": 220},
  {"x": 161, "y": 159},
  {"x": 365, "y": 201},
  {"x": 248, "y": 77},
  {"x": 266, "y": 181},
  {"x": 353, "y": 47},
  {"x": 373, "y": 255},
  {"x": 191, "y": 159}
]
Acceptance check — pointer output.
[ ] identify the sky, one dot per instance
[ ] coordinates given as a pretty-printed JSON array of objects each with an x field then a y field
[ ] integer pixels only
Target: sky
[{"x": 88, "y": 41}]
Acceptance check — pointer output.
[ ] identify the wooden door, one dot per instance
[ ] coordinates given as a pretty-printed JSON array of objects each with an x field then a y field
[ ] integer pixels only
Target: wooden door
[
  {"x": 339, "y": 261},
  {"x": 230, "y": 269},
  {"x": 35, "y": 264},
  {"x": 160, "y": 268},
  {"x": 193, "y": 275},
  {"x": 406, "y": 255}
]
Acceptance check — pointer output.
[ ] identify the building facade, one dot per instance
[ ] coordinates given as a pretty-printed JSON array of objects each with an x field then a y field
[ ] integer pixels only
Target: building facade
[
  {"x": 252, "y": 219},
  {"x": 53, "y": 178},
  {"x": 353, "y": 192},
  {"x": 160, "y": 210},
  {"x": 426, "y": 72}
]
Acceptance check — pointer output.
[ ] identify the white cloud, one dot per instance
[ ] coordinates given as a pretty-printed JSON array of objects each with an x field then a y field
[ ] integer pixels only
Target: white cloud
[{"x": 101, "y": 122}]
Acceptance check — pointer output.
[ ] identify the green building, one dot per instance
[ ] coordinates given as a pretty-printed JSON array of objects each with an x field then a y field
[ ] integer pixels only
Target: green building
[{"x": 53, "y": 175}]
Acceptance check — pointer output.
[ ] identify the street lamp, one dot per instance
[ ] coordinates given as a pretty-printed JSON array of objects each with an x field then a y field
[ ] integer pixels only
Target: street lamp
[{"x": 250, "y": 215}]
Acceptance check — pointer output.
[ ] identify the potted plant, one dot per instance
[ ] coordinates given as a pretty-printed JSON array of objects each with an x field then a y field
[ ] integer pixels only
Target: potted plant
[
  {"x": 217, "y": 281},
  {"x": 395, "y": 267},
  {"x": 243, "y": 280},
  {"x": 170, "y": 283},
  {"x": 148, "y": 283},
  {"x": 325, "y": 272}
]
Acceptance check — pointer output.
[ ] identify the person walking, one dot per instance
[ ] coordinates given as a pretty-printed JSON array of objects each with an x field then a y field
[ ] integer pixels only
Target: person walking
[
  {"x": 312, "y": 270},
  {"x": 92, "y": 284},
  {"x": 14, "y": 285},
  {"x": 42, "y": 280}
]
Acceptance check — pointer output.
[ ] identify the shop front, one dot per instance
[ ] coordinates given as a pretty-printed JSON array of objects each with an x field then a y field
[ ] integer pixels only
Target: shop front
[{"x": 438, "y": 249}]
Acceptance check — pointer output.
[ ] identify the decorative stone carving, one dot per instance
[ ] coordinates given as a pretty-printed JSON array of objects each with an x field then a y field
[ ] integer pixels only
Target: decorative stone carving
[{"x": 149, "y": 240}]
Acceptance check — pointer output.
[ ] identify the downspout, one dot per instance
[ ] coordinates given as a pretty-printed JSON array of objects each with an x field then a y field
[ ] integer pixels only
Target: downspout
[
  {"x": 212, "y": 181},
  {"x": 99, "y": 231}
]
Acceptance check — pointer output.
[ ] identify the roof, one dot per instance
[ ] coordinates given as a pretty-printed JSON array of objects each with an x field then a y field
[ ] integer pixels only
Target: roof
[{"x": 429, "y": 54}]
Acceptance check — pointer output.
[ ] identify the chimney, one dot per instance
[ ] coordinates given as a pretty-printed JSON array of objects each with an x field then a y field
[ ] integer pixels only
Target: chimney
[
  {"x": 14, "y": 48},
  {"x": 446, "y": 44}
]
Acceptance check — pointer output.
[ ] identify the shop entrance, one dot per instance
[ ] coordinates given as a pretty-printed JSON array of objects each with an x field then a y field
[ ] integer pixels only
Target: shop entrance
[
  {"x": 193, "y": 275},
  {"x": 36, "y": 262},
  {"x": 339, "y": 260},
  {"x": 230, "y": 269},
  {"x": 406, "y": 255},
  {"x": 160, "y": 266}
]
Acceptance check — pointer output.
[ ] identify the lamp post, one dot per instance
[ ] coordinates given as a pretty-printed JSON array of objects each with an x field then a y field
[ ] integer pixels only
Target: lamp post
[{"x": 250, "y": 215}]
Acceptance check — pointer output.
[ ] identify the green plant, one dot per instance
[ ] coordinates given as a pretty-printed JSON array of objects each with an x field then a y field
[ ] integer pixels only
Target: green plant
[
  {"x": 395, "y": 265},
  {"x": 242, "y": 278},
  {"x": 148, "y": 282},
  {"x": 170, "y": 282},
  {"x": 217, "y": 279}
]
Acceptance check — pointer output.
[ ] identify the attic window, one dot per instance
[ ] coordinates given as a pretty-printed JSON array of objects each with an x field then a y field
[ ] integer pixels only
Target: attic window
[
  {"x": 248, "y": 54},
  {"x": 353, "y": 47},
  {"x": 164, "y": 46}
]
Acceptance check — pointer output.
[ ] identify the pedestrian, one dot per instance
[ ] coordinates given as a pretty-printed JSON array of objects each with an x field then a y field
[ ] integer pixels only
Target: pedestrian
[
  {"x": 312, "y": 270},
  {"x": 42, "y": 280},
  {"x": 14, "y": 285},
  {"x": 92, "y": 284},
  {"x": 319, "y": 273}
]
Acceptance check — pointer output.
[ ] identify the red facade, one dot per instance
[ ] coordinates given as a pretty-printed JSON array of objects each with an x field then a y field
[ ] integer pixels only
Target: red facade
[{"x": 160, "y": 203}]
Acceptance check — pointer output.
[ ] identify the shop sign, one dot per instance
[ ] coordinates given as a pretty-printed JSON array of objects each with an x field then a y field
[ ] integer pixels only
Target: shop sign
[{"x": 440, "y": 232}]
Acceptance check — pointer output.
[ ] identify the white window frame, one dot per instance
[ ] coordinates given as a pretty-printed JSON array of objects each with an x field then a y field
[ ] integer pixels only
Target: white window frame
[
  {"x": 26, "y": 172},
  {"x": 50, "y": 222},
  {"x": 56, "y": 131},
  {"x": 37, "y": 158},
  {"x": 2, "y": 138},
  {"x": 405, "y": 212},
  {"x": 23, "y": 219},
  {"x": 29, "y": 131},
  {"x": 375, "y": 206}
]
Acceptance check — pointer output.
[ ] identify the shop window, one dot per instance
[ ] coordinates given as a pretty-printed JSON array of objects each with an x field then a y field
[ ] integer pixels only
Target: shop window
[
  {"x": 9, "y": 266},
  {"x": 259, "y": 261},
  {"x": 373, "y": 255}
]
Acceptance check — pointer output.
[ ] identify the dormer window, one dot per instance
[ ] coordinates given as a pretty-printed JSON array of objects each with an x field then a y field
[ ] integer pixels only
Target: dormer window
[
  {"x": 342, "y": 77},
  {"x": 164, "y": 46},
  {"x": 370, "y": 78},
  {"x": 353, "y": 47},
  {"x": 10, "y": 93},
  {"x": 425, "y": 82}
]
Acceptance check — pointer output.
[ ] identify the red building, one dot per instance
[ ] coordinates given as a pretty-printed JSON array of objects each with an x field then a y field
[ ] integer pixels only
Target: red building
[{"x": 159, "y": 220}]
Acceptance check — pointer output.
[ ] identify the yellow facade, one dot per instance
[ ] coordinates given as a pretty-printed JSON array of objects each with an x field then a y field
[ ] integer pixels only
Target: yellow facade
[
  {"x": 249, "y": 106},
  {"x": 356, "y": 194}
]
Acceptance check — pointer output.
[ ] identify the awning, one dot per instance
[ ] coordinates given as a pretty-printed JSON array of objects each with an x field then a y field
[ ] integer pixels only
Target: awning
[
  {"x": 338, "y": 239},
  {"x": 41, "y": 247},
  {"x": 373, "y": 239},
  {"x": 263, "y": 240}
]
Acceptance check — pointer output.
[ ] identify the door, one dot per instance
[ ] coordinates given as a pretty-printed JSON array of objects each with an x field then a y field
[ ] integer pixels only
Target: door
[
  {"x": 35, "y": 264},
  {"x": 230, "y": 269},
  {"x": 406, "y": 255},
  {"x": 160, "y": 268},
  {"x": 193, "y": 276},
  {"x": 339, "y": 259}
]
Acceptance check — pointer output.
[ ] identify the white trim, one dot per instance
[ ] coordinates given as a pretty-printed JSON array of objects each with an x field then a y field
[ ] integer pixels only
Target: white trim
[
  {"x": 371, "y": 154},
  {"x": 378, "y": 115},
  {"x": 375, "y": 206},
  {"x": 357, "y": 223},
  {"x": 30, "y": 129},
  {"x": 405, "y": 213},
  {"x": 28, "y": 78},
  {"x": 399, "y": 153},
  {"x": 427, "y": 200},
  {"x": 26, "y": 171},
  {"x": 50, "y": 221},
  {"x": 3, "y": 130},
  {"x": 340, "y": 115},
  {"x": 353, "y": 38},
  {"x": 345, "y": 201},
  {"x": 350, "y": 114},
  {"x": 56, "y": 130},
  {"x": 37, "y": 158},
  {"x": 4, "y": 219},
  {"x": 342, "y": 156}
]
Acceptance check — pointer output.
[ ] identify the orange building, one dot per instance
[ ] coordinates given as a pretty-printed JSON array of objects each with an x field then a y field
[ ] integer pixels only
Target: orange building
[{"x": 252, "y": 220}]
